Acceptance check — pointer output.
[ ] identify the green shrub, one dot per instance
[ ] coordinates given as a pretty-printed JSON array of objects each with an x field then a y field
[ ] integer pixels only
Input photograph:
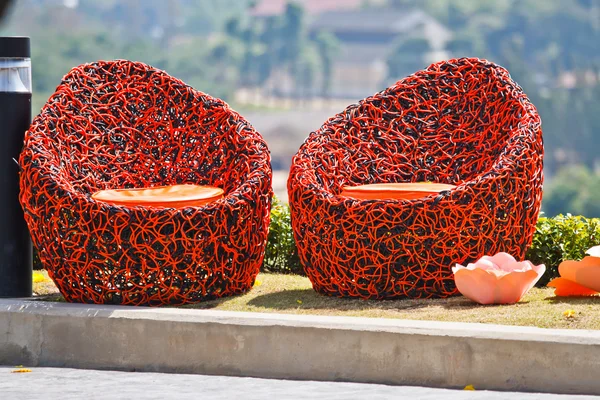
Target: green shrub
[
  {"x": 564, "y": 237},
  {"x": 281, "y": 255}
]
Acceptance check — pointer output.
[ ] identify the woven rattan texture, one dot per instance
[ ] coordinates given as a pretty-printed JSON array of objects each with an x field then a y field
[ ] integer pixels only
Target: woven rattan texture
[
  {"x": 463, "y": 122},
  {"x": 123, "y": 124}
]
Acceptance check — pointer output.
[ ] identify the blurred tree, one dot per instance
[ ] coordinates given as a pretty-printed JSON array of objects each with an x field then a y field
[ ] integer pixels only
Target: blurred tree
[
  {"x": 402, "y": 3},
  {"x": 293, "y": 35},
  {"x": 574, "y": 190},
  {"x": 268, "y": 59},
  {"x": 460, "y": 46},
  {"x": 278, "y": 45},
  {"x": 551, "y": 48},
  {"x": 124, "y": 29},
  {"x": 456, "y": 17},
  {"x": 328, "y": 46},
  {"x": 253, "y": 50},
  {"x": 233, "y": 28},
  {"x": 227, "y": 55},
  {"x": 308, "y": 65},
  {"x": 406, "y": 57}
]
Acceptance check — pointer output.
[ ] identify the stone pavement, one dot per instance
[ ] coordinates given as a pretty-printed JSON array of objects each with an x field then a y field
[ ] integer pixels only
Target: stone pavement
[{"x": 71, "y": 384}]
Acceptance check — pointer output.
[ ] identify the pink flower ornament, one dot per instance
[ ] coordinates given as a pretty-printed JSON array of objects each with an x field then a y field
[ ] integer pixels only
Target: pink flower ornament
[{"x": 497, "y": 280}]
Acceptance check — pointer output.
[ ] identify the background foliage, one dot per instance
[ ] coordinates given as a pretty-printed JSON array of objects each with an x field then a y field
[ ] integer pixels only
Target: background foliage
[
  {"x": 551, "y": 47},
  {"x": 281, "y": 255}
]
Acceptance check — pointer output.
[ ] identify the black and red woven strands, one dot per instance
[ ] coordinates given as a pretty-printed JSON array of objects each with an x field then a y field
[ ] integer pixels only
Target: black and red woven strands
[
  {"x": 462, "y": 122},
  {"x": 124, "y": 124}
]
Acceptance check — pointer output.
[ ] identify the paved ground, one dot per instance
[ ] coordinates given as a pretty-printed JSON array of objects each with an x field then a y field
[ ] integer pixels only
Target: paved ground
[{"x": 68, "y": 384}]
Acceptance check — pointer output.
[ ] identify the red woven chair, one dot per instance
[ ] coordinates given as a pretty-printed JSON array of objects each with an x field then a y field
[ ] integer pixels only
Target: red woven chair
[
  {"x": 461, "y": 122},
  {"x": 122, "y": 124}
]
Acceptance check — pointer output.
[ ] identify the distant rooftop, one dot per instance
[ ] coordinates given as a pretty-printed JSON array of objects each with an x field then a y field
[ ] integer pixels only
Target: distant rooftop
[
  {"x": 372, "y": 20},
  {"x": 381, "y": 26},
  {"x": 265, "y": 8}
]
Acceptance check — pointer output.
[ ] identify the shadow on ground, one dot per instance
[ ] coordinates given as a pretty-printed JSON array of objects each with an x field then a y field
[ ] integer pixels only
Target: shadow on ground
[
  {"x": 309, "y": 299},
  {"x": 463, "y": 303},
  {"x": 582, "y": 300}
]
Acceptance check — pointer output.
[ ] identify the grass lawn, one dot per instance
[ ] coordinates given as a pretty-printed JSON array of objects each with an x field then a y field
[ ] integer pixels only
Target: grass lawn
[{"x": 294, "y": 295}]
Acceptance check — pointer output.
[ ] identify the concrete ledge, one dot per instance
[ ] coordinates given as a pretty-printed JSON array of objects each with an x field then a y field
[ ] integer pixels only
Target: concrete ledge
[{"x": 434, "y": 354}]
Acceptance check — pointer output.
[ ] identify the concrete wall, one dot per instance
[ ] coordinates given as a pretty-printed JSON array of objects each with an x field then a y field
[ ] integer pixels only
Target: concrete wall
[{"x": 299, "y": 347}]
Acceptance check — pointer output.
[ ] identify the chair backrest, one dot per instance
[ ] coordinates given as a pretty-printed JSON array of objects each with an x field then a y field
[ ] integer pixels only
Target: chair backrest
[
  {"x": 123, "y": 124},
  {"x": 448, "y": 124}
]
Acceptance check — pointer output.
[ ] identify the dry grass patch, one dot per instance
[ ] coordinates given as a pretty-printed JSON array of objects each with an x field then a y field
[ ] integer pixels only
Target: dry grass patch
[{"x": 293, "y": 294}]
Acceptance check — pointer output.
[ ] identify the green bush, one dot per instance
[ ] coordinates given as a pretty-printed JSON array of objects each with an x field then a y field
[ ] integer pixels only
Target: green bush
[
  {"x": 564, "y": 237},
  {"x": 281, "y": 255}
]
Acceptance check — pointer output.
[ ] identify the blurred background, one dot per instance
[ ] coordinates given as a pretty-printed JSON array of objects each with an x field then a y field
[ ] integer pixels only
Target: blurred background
[{"x": 288, "y": 66}]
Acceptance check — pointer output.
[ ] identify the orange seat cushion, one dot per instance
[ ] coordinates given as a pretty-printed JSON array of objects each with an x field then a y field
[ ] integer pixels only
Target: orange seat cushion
[
  {"x": 405, "y": 191},
  {"x": 176, "y": 196}
]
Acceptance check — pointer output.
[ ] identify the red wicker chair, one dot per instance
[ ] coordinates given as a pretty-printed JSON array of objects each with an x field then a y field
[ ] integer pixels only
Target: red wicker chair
[
  {"x": 461, "y": 122},
  {"x": 124, "y": 124}
]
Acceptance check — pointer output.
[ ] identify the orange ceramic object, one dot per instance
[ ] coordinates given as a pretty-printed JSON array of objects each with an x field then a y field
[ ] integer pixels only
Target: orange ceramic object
[
  {"x": 405, "y": 191},
  {"x": 585, "y": 272},
  {"x": 176, "y": 196},
  {"x": 579, "y": 278},
  {"x": 497, "y": 280},
  {"x": 564, "y": 287}
]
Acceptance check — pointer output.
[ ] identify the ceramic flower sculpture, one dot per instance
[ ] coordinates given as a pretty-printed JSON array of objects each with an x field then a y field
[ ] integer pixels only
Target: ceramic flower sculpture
[
  {"x": 579, "y": 278},
  {"x": 497, "y": 280}
]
